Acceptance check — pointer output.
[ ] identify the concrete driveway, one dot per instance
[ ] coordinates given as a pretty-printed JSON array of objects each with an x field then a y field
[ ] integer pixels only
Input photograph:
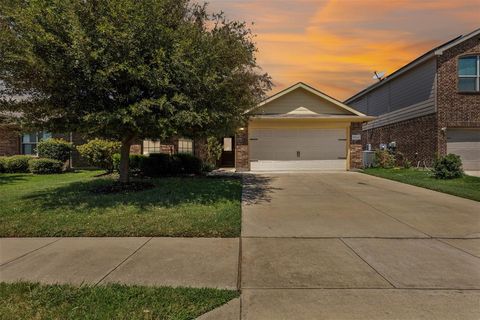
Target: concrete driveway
[{"x": 352, "y": 246}]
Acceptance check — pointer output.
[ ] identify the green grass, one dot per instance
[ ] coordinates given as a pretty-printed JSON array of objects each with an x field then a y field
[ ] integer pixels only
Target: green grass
[
  {"x": 465, "y": 187},
  {"x": 34, "y": 301},
  {"x": 63, "y": 205}
]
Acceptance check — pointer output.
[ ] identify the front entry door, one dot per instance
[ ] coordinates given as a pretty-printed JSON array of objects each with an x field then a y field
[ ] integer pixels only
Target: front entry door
[{"x": 228, "y": 153}]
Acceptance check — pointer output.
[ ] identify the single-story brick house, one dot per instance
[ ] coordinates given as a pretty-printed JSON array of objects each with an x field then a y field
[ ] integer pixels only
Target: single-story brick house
[
  {"x": 430, "y": 106},
  {"x": 299, "y": 128}
]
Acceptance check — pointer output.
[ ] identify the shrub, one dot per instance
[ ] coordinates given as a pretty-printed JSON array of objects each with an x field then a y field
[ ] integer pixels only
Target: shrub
[
  {"x": 2, "y": 166},
  {"x": 16, "y": 164},
  {"x": 158, "y": 164},
  {"x": 208, "y": 167},
  {"x": 188, "y": 164},
  {"x": 45, "y": 166},
  {"x": 57, "y": 149},
  {"x": 99, "y": 153},
  {"x": 383, "y": 159},
  {"x": 214, "y": 150},
  {"x": 448, "y": 167},
  {"x": 136, "y": 162}
]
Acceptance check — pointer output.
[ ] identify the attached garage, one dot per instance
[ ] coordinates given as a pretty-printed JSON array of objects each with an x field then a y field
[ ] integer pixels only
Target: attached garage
[
  {"x": 466, "y": 144},
  {"x": 298, "y": 149},
  {"x": 301, "y": 128}
]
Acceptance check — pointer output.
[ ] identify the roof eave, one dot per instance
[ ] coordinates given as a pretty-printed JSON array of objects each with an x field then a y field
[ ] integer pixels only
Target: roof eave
[{"x": 337, "y": 119}]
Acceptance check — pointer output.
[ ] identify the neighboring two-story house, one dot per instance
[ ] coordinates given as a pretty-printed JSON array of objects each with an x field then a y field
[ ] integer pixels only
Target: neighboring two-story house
[{"x": 430, "y": 106}]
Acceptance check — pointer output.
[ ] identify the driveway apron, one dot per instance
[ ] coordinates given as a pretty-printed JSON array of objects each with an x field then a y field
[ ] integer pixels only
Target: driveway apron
[{"x": 346, "y": 245}]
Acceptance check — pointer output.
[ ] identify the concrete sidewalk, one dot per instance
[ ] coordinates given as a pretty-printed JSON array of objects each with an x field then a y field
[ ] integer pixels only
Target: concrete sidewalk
[{"x": 194, "y": 262}]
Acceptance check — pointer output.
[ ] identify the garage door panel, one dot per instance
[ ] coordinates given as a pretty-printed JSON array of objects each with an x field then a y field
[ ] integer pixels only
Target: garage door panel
[
  {"x": 301, "y": 148},
  {"x": 466, "y": 144}
]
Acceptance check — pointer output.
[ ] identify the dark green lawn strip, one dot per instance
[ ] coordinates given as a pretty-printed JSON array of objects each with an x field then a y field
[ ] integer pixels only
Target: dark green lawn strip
[
  {"x": 63, "y": 205},
  {"x": 34, "y": 301},
  {"x": 465, "y": 187}
]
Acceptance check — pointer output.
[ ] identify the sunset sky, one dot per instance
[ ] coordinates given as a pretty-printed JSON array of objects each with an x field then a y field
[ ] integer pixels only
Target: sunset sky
[{"x": 335, "y": 45}]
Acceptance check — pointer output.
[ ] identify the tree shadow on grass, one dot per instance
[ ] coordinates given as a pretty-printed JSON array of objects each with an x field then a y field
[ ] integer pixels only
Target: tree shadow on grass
[
  {"x": 11, "y": 178},
  {"x": 168, "y": 193},
  {"x": 257, "y": 189}
]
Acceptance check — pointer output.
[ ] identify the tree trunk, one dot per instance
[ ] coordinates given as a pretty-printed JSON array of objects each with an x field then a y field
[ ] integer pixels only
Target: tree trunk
[{"x": 125, "y": 160}]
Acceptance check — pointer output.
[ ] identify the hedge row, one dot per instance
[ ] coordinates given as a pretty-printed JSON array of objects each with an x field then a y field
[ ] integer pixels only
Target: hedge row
[
  {"x": 160, "y": 164},
  {"x": 25, "y": 164}
]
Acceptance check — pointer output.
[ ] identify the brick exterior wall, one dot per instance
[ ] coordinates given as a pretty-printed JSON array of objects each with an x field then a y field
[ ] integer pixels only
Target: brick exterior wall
[
  {"x": 355, "y": 146},
  {"x": 242, "y": 161},
  {"x": 461, "y": 110},
  {"x": 200, "y": 148},
  {"x": 9, "y": 141},
  {"x": 136, "y": 147},
  {"x": 415, "y": 138}
]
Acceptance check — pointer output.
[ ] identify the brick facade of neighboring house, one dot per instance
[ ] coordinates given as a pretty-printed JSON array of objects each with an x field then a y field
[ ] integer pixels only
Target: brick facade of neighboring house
[
  {"x": 9, "y": 141},
  {"x": 455, "y": 109},
  {"x": 420, "y": 106},
  {"x": 415, "y": 138}
]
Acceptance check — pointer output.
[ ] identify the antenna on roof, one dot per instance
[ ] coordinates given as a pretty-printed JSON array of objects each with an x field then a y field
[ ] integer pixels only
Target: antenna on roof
[{"x": 378, "y": 75}]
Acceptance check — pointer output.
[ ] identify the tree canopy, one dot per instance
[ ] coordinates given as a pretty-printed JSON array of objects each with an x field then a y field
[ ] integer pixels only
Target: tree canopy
[{"x": 126, "y": 69}]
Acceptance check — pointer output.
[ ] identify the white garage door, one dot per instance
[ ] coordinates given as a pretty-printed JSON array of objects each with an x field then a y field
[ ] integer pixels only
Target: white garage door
[
  {"x": 297, "y": 149},
  {"x": 466, "y": 144}
]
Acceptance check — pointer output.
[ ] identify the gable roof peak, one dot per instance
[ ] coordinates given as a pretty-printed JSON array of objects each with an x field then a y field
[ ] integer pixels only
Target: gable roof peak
[{"x": 312, "y": 90}]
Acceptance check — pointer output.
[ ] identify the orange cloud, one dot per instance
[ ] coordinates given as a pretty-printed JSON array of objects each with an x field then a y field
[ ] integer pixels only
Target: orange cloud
[{"x": 336, "y": 45}]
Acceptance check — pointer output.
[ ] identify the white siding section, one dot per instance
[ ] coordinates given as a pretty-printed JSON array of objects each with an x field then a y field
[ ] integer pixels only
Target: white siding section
[
  {"x": 300, "y": 98},
  {"x": 411, "y": 88}
]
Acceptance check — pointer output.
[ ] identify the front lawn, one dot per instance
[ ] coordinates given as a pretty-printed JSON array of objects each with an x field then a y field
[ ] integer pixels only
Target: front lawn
[
  {"x": 64, "y": 205},
  {"x": 34, "y": 301},
  {"x": 465, "y": 187}
]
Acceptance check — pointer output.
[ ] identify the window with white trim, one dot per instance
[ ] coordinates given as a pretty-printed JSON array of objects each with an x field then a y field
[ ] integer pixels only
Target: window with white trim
[
  {"x": 469, "y": 73},
  {"x": 30, "y": 141},
  {"x": 151, "y": 146},
  {"x": 185, "y": 145}
]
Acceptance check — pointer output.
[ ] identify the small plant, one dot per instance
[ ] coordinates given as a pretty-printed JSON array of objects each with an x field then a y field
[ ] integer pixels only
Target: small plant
[
  {"x": 99, "y": 153},
  {"x": 57, "y": 149},
  {"x": 406, "y": 164},
  {"x": 214, "y": 150},
  {"x": 16, "y": 164},
  {"x": 448, "y": 167},
  {"x": 402, "y": 161},
  {"x": 207, "y": 167},
  {"x": 383, "y": 159},
  {"x": 45, "y": 166}
]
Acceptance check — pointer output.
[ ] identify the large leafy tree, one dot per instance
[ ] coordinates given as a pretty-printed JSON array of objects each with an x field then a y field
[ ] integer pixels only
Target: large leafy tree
[{"x": 126, "y": 69}]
